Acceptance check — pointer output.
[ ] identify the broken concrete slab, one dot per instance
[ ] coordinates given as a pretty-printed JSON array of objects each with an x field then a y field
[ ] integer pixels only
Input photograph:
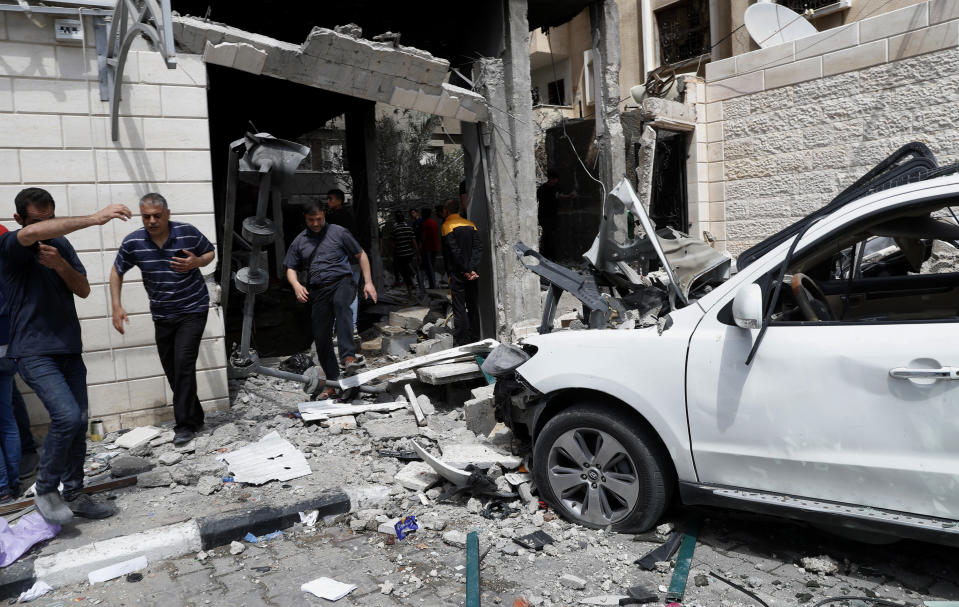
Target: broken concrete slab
[
  {"x": 154, "y": 478},
  {"x": 426, "y": 405},
  {"x": 417, "y": 476},
  {"x": 480, "y": 415},
  {"x": 138, "y": 436},
  {"x": 208, "y": 485},
  {"x": 437, "y": 344},
  {"x": 322, "y": 410},
  {"x": 170, "y": 458},
  {"x": 391, "y": 427},
  {"x": 409, "y": 318},
  {"x": 480, "y": 347},
  {"x": 483, "y": 392},
  {"x": 481, "y": 456},
  {"x": 343, "y": 422},
  {"x": 397, "y": 345},
  {"x": 439, "y": 375},
  {"x": 163, "y": 438},
  {"x": 270, "y": 458},
  {"x": 372, "y": 347}
]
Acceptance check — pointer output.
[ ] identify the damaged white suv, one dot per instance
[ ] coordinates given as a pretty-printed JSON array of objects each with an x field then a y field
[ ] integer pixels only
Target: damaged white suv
[{"x": 819, "y": 382}]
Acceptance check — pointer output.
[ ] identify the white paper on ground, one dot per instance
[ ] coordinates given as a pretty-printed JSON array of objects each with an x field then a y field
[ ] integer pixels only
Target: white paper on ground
[
  {"x": 118, "y": 569},
  {"x": 36, "y": 591},
  {"x": 269, "y": 459},
  {"x": 328, "y": 589},
  {"x": 309, "y": 518}
]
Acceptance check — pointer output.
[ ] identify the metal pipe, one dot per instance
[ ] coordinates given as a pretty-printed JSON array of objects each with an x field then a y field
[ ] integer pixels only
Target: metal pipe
[
  {"x": 55, "y": 10},
  {"x": 378, "y": 389}
]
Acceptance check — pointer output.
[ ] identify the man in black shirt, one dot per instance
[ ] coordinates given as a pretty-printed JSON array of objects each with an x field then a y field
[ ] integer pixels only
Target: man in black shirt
[
  {"x": 324, "y": 251},
  {"x": 548, "y": 197},
  {"x": 340, "y": 215}
]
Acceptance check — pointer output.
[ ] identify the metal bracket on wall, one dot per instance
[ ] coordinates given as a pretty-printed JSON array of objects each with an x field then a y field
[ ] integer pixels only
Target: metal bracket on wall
[{"x": 132, "y": 18}]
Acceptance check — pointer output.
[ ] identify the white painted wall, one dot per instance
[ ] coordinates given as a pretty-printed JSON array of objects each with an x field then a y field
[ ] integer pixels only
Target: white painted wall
[{"x": 55, "y": 134}]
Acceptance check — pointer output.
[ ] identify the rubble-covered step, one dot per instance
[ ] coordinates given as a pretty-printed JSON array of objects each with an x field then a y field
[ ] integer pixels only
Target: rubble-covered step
[
  {"x": 409, "y": 318},
  {"x": 439, "y": 375}
]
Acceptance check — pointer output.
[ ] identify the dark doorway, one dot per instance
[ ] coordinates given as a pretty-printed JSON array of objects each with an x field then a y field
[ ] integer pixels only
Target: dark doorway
[{"x": 669, "y": 204}]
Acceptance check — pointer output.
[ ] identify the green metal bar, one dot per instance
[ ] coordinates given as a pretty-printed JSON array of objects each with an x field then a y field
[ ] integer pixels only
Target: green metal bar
[
  {"x": 472, "y": 570},
  {"x": 684, "y": 559}
]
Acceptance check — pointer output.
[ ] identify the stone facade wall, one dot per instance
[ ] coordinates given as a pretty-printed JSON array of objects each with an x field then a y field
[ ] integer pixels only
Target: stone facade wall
[
  {"x": 56, "y": 135},
  {"x": 788, "y": 127}
]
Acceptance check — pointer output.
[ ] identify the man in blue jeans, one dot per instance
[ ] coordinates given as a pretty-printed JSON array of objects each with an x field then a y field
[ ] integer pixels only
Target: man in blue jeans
[
  {"x": 9, "y": 434},
  {"x": 41, "y": 273}
]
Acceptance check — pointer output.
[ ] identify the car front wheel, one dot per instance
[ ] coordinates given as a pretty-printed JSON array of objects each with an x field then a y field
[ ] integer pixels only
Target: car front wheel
[{"x": 598, "y": 467}]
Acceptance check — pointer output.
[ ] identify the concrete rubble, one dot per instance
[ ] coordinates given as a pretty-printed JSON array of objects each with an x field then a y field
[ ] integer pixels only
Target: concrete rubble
[{"x": 376, "y": 457}]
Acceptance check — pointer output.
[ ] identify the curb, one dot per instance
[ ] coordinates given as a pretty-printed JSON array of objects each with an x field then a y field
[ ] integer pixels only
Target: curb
[{"x": 72, "y": 566}]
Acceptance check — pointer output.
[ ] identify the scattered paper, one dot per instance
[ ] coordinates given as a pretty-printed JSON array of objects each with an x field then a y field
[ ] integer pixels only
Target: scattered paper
[
  {"x": 328, "y": 589},
  {"x": 309, "y": 518},
  {"x": 117, "y": 569},
  {"x": 36, "y": 591},
  {"x": 269, "y": 459}
]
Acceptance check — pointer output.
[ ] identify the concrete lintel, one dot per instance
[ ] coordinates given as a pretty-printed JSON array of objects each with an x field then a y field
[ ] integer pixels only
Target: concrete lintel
[
  {"x": 664, "y": 112},
  {"x": 404, "y": 77}
]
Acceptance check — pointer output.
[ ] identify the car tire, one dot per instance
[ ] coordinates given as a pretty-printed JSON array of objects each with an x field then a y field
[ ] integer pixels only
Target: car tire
[{"x": 623, "y": 481}]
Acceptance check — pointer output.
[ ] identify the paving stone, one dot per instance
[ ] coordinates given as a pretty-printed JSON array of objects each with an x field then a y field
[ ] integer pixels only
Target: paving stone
[
  {"x": 448, "y": 373},
  {"x": 137, "y": 436}
]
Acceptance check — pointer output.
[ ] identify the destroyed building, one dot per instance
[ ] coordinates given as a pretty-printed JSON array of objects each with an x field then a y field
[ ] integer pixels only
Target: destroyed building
[{"x": 98, "y": 120}]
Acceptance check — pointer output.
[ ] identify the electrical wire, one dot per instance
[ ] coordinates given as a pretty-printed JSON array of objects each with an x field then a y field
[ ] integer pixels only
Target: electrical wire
[{"x": 748, "y": 593}]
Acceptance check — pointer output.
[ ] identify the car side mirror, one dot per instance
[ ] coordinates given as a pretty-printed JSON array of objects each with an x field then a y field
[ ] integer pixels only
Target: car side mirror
[{"x": 748, "y": 307}]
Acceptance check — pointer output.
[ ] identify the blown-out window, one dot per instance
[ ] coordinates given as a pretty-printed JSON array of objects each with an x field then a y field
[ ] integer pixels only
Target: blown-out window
[{"x": 683, "y": 31}]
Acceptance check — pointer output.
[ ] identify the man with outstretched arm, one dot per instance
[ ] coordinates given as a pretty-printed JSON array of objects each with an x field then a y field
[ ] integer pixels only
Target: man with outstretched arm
[
  {"x": 169, "y": 255},
  {"x": 323, "y": 251},
  {"x": 42, "y": 273}
]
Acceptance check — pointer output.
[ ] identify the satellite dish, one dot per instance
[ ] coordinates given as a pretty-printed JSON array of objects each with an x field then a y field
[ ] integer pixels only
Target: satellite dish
[{"x": 770, "y": 24}]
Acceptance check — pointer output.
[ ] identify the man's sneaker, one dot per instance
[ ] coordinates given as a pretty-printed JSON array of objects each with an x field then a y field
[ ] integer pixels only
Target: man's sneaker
[
  {"x": 28, "y": 463},
  {"x": 83, "y": 505},
  {"x": 53, "y": 509},
  {"x": 182, "y": 437}
]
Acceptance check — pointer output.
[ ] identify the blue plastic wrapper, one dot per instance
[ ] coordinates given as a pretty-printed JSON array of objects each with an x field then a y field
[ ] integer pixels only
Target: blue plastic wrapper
[{"x": 406, "y": 526}]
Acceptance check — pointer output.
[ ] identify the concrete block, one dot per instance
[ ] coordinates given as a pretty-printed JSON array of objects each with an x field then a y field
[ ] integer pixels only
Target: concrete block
[
  {"x": 177, "y": 133},
  {"x": 212, "y": 384},
  {"x": 714, "y": 132},
  {"x": 28, "y": 60},
  {"x": 51, "y": 96},
  {"x": 479, "y": 415},
  {"x": 60, "y": 166},
  {"x": 894, "y": 22},
  {"x": 439, "y": 375},
  {"x": 714, "y": 151},
  {"x": 827, "y": 41},
  {"x": 735, "y": 87},
  {"x": 481, "y": 456},
  {"x": 190, "y": 69},
  {"x": 942, "y": 10},
  {"x": 31, "y": 131},
  {"x": 937, "y": 37},
  {"x": 430, "y": 346},
  {"x": 717, "y": 192},
  {"x": 483, "y": 392},
  {"x": 148, "y": 416},
  {"x": 22, "y": 29},
  {"x": 372, "y": 347},
  {"x": 864, "y": 55},
  {"x": 9, "y": 168},
  {"x": 409, "y": 318},
  {"x": 715, "y": 171},
  {"x": 765, "y": 58},
  {"x": 718, "y": 70},
  {"x": 137, "y": 437},
  {"x": 417, "y": 476},
  {"x": 129, "y": 165},
  {"x": 85, "y": 132},
  {"x": 797, "y": 71},
  {"x": 100, "y": 367},
  {"x": 136, "y": 100},
  {"x": 183, "y": 101},
  {"x": 403, "y": 98},
  {"x": 714, "y": 111},
  {"x": 398, "y": 344},
  {"x": 71, "y": 65},
  {"x": 188, "y": 166}
]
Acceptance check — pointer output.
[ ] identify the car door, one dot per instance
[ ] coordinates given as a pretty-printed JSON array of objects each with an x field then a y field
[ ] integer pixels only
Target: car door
[{"x": 829, "y": 411}]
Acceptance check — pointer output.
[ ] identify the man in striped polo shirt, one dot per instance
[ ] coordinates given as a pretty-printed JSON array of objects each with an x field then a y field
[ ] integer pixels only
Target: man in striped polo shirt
[{"x": 169, "y": 255}]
